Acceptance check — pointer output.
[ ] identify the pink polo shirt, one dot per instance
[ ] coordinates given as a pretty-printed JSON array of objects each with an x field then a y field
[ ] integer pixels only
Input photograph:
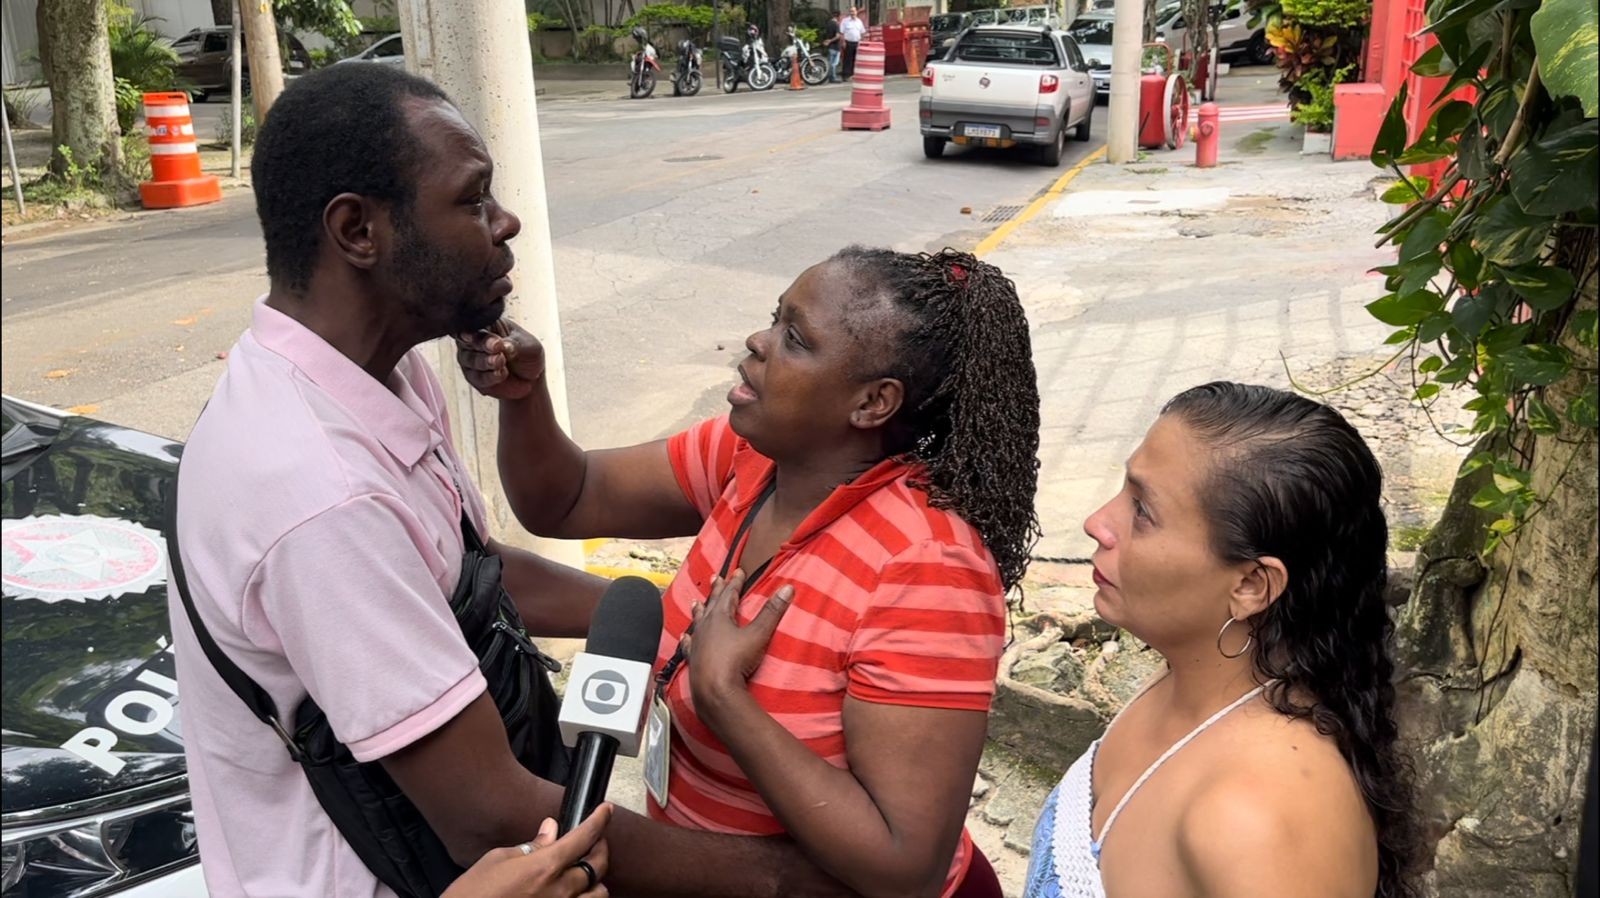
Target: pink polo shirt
[{"x": 321, "y": 536}]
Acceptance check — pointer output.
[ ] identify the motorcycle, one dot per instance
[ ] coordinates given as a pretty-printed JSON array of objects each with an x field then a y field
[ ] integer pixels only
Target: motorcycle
[
  {"x": 814, "y": 68},
  {"x": 746, "y": 61},
  {"x": 686, "y": 80},
  {"x": 643, "y": 67}
]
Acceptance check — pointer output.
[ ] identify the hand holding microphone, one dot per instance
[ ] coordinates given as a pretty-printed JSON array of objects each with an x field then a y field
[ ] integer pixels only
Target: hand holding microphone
[
  {"x": 544, "y": 868},
  {"x": 607, "y": 693}
]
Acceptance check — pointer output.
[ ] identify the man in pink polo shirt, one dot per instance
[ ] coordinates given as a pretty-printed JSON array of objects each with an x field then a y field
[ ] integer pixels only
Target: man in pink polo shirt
[{"x": 320, "y": 518}]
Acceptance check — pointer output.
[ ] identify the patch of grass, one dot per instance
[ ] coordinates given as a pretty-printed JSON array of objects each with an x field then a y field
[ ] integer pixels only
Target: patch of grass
[
  {"x": 1158, "y": 170},
  {"x": 1409, "y": 537},
  {"x": 1255, "y": 143}
]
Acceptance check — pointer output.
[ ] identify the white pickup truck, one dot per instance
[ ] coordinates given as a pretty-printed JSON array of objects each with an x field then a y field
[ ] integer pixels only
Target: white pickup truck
[{"x": 1004, "y": 86}]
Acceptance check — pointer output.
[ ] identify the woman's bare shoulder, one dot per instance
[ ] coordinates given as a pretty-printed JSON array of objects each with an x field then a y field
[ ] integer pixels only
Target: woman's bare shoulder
[{"x": 1280, "y": 813}]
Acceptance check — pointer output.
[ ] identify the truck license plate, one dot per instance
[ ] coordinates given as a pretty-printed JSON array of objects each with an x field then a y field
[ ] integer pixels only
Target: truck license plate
[{"x": 982, "y": 131}]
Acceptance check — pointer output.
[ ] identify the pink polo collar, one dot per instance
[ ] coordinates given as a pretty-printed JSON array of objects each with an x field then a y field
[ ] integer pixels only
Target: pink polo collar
[{"x": 393, "y": 412}]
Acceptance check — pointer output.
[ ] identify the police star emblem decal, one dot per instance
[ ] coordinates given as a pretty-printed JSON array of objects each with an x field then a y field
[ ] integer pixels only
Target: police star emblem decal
[{"x": 79, "y": 558}]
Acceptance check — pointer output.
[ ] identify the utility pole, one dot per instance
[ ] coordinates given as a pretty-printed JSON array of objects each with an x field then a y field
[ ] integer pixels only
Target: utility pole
[
  {"x": 235, "y": 102},
  {"x": 1127, "y": 31},
  {"x": 266, "y": 64},
  {"x": 477, "y": 51},
  {"x": 11, "y": 155}
]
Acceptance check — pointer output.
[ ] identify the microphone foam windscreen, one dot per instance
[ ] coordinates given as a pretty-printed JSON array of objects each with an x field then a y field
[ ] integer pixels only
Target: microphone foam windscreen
[{"x": 627, "y": 622}]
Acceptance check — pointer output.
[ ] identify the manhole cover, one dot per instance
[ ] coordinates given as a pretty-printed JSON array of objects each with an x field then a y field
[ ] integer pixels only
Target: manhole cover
[
  {"x": 1002, "y": 213},
  {"x": 705, "y": 158}
]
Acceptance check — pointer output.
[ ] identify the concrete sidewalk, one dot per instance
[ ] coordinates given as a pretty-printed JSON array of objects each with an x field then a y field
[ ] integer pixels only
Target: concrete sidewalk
[{"x": 1147, "y": 279}]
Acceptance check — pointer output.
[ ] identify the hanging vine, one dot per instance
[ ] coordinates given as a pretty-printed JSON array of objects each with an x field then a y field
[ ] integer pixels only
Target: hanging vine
[{"x": 1493, "y": 291}]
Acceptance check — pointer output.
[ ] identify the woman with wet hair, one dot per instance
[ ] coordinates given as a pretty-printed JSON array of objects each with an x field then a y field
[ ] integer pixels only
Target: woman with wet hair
[
  {"x": 861, "y": 513},
  {"x": 1247, "y": 547}
]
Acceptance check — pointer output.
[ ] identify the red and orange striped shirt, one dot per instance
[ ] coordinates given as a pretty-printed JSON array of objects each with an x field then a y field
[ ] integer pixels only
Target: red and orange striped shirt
[{"x": 895, "y": 602}]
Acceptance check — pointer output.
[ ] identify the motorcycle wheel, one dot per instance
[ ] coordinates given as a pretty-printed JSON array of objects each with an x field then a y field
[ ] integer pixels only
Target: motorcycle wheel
[
  {"x": 730, "y": 80},
  {"x": 763, "y": 76},
  {"x": 814, "y": 71},
  {"x": 644, "y": 85},
  {"x": 689, "y": 84}
]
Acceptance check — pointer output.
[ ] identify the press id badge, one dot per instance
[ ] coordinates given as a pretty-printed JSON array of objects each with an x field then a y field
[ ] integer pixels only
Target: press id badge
[{"x": 657, "y": 750}]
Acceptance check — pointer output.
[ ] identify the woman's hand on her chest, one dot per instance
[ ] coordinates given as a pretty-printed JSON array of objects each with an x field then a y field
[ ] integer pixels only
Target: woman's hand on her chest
[{"x": 722, "y": 654}]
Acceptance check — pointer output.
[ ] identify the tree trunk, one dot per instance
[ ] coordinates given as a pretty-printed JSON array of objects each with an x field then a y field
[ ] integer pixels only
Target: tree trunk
[
  {"x": 1500, "y": 691},
  {"x": 83, "y": 116},
  {"x": 778, "y": 19},
  {"x": 265, "y": 65}
]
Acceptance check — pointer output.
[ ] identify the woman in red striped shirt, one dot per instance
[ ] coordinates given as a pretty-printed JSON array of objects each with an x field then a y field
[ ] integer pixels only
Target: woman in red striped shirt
[{"x": 861, "y": 512}]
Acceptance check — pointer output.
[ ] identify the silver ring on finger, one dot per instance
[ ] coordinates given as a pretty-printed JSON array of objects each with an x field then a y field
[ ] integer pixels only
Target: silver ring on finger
[{"x": 525, "y": 848}]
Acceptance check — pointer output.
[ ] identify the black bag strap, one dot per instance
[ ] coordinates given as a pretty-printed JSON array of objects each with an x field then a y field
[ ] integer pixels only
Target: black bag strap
[{"x": 249, "y": 691}]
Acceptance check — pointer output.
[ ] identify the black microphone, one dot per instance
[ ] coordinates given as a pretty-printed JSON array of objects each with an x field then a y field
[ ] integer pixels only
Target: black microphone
[{"x": 607, "y": 694}]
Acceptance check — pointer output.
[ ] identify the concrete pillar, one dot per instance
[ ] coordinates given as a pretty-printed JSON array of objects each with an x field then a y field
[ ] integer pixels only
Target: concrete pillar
[
  {"x": 477, "y": 51},
  {"x": 1122, "y": 142}
]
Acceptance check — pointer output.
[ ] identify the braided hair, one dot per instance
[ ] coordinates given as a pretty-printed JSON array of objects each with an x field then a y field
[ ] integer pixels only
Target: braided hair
[{"x": 970, "y": 420}]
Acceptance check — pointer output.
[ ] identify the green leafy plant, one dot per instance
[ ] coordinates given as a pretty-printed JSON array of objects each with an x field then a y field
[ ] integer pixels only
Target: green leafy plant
[
  {"x": 1316, "y": 113},
  {"x": 1328, "y": 13},
  {"x": 1493, "y": 292},
  {"x": 21, "y": 106},
  {"x": 597, "y": 43},
  {"x": 332, "y": 19},
  {"x": 75, "y": 185},
  {"x": 140, "y": 63},
  {"x": 659, "y": 15},
  {"x": 135, "y": 162},
  {"x": 538, "y": 21},
  {"x": 247, "y": 124},
  {"x": 1313, "y": 41},
  {"x": 1264, "y": 12},
  {"x": 1301, "y": 51}
]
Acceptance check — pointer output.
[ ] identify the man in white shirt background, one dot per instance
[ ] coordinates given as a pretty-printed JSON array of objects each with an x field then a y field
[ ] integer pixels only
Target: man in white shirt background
[{"x": 853, "y": 30}]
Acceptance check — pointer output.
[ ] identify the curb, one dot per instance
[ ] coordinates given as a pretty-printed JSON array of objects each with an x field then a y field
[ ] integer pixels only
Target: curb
[{"x": 992, "y": 242}]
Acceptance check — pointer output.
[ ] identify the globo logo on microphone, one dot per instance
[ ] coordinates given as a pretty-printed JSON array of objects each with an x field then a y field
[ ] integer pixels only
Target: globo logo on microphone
[
  {"x": 605, "y": 692},
  {"x": 608, "y": 696}
]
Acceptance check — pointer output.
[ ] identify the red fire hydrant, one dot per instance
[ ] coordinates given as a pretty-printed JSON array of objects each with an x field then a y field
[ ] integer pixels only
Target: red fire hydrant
[{"x": 1208, "y": 134}]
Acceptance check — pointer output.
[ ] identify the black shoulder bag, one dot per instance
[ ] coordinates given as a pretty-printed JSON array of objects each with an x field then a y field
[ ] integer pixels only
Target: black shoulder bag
[{"x": 381, "y": 824}]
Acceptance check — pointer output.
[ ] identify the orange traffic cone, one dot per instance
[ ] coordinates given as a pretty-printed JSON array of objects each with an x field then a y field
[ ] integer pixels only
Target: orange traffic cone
[{"x": 794, "y": 74}]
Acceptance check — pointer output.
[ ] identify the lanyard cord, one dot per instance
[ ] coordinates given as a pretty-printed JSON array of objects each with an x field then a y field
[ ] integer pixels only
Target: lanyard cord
[{"x": 736, "y": 546}]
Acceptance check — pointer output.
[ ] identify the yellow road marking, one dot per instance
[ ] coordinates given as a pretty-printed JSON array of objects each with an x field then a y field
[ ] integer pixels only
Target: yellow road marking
[
  {"x": 993, "y": 241},
  {"x": 613, "y": 573}
]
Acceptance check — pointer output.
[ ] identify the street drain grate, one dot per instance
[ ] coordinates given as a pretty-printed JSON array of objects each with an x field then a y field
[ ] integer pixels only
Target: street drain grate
[
  {"x": 704, "y": 158},
  {"x": 1002, "y": 213}
]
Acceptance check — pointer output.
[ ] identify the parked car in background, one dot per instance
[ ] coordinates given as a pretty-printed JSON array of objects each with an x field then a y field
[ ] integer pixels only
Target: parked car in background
[
  {"x": 205, "y": 62},
  {"x": 943, "y": 31},
  {"x": 1029, "y": 15},
  {"x": 96, "y": 798},
  {"x": 387, "y": 51},
  {"x": 1005, "y": 86},
  {"x": 1236, "y": 40}
]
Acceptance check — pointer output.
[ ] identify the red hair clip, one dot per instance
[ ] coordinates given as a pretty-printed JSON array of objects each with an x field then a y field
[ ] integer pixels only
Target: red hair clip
[{"x": 958, "y": 273}]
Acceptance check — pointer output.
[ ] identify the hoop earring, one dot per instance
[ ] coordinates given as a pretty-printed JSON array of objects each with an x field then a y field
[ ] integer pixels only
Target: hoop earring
[{"x": 1249, "y": 641}]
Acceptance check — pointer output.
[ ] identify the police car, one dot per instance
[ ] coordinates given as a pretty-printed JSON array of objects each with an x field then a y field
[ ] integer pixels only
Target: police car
[{"x": 95, "y": 799}]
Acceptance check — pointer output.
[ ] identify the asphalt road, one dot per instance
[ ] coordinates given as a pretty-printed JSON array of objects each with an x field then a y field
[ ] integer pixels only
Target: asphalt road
[{"x": 676, "y": 222}]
